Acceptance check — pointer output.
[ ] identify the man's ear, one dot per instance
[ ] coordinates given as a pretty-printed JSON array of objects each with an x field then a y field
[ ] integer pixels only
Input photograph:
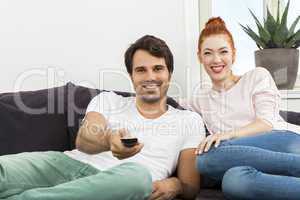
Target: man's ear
[{"x": 199, "y": 57}]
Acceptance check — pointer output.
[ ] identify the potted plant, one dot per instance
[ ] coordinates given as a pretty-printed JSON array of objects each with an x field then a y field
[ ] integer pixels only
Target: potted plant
[{"x": 277, "y": 45}]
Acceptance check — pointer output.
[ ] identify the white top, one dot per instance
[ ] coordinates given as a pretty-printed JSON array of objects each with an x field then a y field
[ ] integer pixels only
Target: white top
[
  {"x": 255, "y": 95},
  {"x": 163, "y": 137}
]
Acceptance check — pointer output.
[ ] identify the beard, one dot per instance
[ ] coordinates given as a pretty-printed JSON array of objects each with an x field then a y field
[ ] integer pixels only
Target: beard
[
  {"x": 151, "y": 96},
  {"x": 150, "y": 99}
]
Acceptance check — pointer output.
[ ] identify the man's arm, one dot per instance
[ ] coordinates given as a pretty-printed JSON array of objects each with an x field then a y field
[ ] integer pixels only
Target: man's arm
[
  {"x": 186, "y": 184},
  {"x": 93, "y": 136},
  {"x": 188, "y": 174}
]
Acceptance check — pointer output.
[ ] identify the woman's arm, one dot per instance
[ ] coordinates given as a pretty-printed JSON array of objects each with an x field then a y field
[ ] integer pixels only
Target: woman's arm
[
  {"x": 266, "y": 99},
  {"x": 255, "y": 127}
]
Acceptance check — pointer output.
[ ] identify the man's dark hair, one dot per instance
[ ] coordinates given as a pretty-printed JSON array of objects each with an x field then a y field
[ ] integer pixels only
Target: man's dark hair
[{"x": 153, "y": 45}]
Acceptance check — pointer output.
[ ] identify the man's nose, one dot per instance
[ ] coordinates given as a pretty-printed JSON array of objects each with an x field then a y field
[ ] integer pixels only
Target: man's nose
[{"x": 151, "y": 75}]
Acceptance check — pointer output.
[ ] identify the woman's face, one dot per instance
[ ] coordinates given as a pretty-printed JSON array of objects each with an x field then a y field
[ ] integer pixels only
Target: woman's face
[{"x": 217, "y": 56}]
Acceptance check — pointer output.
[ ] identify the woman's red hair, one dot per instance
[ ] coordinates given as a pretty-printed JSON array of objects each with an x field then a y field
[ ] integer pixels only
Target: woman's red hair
[{"x": 215, "y": 26}]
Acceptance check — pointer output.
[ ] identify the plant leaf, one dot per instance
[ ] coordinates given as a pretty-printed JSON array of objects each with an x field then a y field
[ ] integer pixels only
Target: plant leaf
[
  {"x": 278, "y": 12},
  {"x": 293, "y": 40},
  {"x": 264, "y": 34},
  {"x": 274, "y": 33},
  {"x": 292, "y": 28},
  {"x": 283, "y": 24},
  {"x": 282, "y": 31},
  {"x": 255, "y": 18},
  {"x": 254, "y": 36},
  {"x": 270, "y": 23}
]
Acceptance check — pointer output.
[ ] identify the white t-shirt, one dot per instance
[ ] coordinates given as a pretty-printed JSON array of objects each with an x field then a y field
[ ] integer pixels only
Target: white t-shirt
[{"x": 163, "y": 137}]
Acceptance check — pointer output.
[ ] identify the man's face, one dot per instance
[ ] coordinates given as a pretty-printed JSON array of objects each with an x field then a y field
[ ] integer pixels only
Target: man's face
[{"x": 150, "y": 76}]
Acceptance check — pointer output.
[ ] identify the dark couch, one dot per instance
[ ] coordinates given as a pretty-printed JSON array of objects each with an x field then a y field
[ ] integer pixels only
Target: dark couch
[{"x": 49, "y": 120}]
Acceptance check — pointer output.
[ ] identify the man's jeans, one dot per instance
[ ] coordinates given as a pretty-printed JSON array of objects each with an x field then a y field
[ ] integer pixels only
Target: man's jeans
[
  {"x": 261, "y": 167},
  {"x": 54, "y": 175}
]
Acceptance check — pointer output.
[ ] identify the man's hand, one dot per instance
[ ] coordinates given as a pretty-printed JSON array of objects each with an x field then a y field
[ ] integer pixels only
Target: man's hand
[
  {"x": 118, "y": 149},
  {"x": 166, "y": 189},
  {"x": 215, "y": 139}
]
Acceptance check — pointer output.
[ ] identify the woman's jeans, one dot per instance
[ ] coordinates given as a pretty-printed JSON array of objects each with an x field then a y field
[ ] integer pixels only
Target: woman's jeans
[{"x": 261, "y": 167}]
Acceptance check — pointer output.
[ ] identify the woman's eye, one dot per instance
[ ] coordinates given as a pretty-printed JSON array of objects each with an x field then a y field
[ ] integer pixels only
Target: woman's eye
[
  {"x": 223, "y": 52},
  {"x": 206, "y": 53}
]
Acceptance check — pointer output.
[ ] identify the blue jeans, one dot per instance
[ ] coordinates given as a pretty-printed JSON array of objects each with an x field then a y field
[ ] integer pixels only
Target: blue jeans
[{"x": 261, "y": 167}]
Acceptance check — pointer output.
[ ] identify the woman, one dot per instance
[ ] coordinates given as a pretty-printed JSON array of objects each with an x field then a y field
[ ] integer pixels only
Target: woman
[{"x": 250, "y": 149}]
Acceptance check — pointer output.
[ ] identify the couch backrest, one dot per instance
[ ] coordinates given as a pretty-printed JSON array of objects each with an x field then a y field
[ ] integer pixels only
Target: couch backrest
[
  {"x": 49, "y": 119},
  {"x": 45, "y": 119},
  {"x": 33, "y": 121},
  {"x": 291, "y": 117}
]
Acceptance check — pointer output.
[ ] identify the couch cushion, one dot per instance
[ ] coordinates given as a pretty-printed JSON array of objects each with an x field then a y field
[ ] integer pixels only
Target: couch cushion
[
  {"x": 291, "y": 117},
  {"x": 78, "y": 100},
  {"x": 33, "y": 121},
  {"x": 210, "y": 194}
]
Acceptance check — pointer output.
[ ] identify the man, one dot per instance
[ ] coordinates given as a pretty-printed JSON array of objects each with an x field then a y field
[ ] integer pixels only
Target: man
[{"x": 102, "y": 167}]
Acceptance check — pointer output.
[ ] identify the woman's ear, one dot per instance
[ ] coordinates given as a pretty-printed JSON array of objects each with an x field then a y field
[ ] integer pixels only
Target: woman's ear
[
  {"x": 233, "y": 55},
  {"x": 199, "y": 57}
]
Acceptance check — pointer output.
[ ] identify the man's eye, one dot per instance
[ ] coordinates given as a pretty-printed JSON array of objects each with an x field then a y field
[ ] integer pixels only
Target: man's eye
[
  {"x": 139, "y": 70},
  {"x": 224, "y": 52},
  {"x": 207, "y": 53}
]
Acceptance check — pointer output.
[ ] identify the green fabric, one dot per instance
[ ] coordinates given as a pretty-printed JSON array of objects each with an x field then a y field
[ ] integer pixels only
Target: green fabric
[{"x": 55, "y": 176}]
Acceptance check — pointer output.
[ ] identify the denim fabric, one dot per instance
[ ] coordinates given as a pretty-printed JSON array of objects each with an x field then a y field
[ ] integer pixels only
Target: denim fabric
[{"x": 265, "y": 166}]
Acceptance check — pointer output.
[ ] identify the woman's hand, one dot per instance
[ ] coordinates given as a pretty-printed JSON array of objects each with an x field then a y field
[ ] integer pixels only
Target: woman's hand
[{"x": 205, "y": 145}]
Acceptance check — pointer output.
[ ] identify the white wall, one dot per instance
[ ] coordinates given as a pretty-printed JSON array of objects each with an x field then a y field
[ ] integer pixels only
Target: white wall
[{"x": 45, "y": 43}]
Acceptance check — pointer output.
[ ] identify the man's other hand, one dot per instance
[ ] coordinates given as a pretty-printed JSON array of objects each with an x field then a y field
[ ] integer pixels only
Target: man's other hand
[
  {"x": 165, "y": 189},
  {"x": 118, "y": 149}
]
